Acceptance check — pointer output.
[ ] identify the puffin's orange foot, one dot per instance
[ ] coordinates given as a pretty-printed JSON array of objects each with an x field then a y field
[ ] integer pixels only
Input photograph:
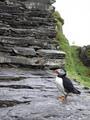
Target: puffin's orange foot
[{"x": 61, "y": 98}]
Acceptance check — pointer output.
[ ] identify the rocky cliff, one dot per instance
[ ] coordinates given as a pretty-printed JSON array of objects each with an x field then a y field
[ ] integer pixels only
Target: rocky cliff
[
  {"x": 84, "y": 54},
  {"x": 27, "y": 34}
]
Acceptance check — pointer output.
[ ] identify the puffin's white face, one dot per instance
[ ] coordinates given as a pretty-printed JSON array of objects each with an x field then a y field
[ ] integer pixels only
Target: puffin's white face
[{"x": 59, "y": 71}]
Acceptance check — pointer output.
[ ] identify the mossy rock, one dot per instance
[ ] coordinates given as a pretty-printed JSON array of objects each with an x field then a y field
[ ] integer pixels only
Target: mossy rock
[{"x": 84, "y": 54}]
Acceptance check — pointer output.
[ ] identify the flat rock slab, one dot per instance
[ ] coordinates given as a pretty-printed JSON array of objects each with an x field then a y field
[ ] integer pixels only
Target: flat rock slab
[
  {"x": 37, "y": 98},
  {"x": 51, "y": 53},
  {"x": 24, "y": 51},
  {"x": 31, "y": 62}
]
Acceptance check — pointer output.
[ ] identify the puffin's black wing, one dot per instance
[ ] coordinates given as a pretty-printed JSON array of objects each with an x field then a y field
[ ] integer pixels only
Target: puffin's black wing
[{"x": 68, "y": 86}]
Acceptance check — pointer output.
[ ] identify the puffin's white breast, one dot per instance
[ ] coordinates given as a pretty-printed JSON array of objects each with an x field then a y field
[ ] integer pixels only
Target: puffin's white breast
[{"x": 59, "y": 83}]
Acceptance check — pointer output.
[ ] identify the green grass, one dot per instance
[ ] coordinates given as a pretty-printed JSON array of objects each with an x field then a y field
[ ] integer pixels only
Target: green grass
[
  {"x": 82, "y": 72},
  {"x": 74, "y": 66}
]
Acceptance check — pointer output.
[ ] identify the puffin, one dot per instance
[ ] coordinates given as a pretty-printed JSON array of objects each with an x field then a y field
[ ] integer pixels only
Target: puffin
[{"x": 64, "y": 84}]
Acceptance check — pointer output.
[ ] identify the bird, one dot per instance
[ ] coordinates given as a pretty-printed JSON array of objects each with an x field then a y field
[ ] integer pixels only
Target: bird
[{"x": 64, "y": 84}]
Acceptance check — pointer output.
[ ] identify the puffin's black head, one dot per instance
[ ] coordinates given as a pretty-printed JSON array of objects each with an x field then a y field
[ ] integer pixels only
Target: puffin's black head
[{"x": 60, "y": 72}]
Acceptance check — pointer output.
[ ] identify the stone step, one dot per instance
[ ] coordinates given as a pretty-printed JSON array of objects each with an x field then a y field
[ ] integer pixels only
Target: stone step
[
  {"x": 22, "y": 17},
  {"x": 18, "y": 74},
  {"x": 55, "y": 63},
  {"x": 17, "y": 60},
  {"x": 12, "y": 8},
  {"x": 25, "y": 21},
  {"x": 27, "y": 41},
  {"x": 24, "y": 51},
  {"x": 33, "y": 62},
  {"x": 30, "y": 52},
  {"x": 28, "y": 32},
  {"x": 37, "y": 2},
  {"x": 23, "y": 41},
  {"x": 3, "y": 24},
  {"x": 34, "y": 13},
  {"x": 21, "y": 10},
  {"x": 28, "y": 23},
  {"x": 51, "y": 53}
]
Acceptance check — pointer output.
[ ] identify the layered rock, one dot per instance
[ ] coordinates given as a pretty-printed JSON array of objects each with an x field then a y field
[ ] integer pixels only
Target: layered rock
[{"x": 27, "y": 34}]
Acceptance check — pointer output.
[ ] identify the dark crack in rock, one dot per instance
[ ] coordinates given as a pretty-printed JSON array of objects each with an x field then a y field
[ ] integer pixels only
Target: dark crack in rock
[
  {"x": 16, "y": 86},
  {"x": 8, "y": 103},
  {"x": 11, "y": 78}
]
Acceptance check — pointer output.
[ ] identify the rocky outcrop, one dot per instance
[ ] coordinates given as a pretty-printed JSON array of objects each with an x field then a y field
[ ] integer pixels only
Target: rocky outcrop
[
  {"x": 27, "y": 34},
  {"x": 32, "y": 95},
  {"x": 84, "y": 54}
]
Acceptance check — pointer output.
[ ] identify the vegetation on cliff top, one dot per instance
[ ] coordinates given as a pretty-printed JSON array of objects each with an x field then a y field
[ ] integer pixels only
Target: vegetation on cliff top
[{"x": 74, "y": 66}]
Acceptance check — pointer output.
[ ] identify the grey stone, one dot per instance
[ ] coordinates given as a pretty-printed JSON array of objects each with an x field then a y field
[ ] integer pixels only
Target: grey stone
[
  {"x": 28, "y": 35},
  {"x": 39, "y": 103},
  {"x": 51, "y": 53},
  {"x": 55, "y": 63},
  {"x": 24, "y": 51},
  {"x": 27, "y": 32},
  {"x": 17, "y": 60},
  {"x": 28, "y": 41},
  {"x": 50, "y": 63}
]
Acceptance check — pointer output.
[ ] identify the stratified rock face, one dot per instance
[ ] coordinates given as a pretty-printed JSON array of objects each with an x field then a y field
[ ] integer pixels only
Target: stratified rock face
[
  {"x": 27, "y": 34},
  {"x": 85, "y": 55}
]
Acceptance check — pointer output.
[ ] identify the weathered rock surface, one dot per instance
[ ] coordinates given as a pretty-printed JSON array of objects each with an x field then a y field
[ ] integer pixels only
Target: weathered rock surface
[
  {"x": 29, "y": 62},
  {"x": 51, "y": 54},
  {"x": 27, "y": 27},
  {"x": 34, "y": 97},
  {"x": 27, "y": 38},
  {"x": 84, "y": 53}
]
